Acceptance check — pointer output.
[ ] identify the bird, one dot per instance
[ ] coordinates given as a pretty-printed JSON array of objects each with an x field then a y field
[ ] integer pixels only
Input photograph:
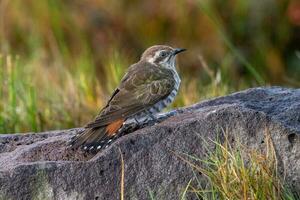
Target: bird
[{"x": 147, "y": 88}]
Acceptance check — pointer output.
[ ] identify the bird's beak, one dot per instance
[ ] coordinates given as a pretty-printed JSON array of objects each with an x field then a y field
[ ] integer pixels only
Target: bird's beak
[{"x": 178, "y": 50}]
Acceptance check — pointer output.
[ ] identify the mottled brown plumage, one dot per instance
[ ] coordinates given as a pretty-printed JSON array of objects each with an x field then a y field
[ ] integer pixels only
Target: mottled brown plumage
[{"x": 146, "y": 87}]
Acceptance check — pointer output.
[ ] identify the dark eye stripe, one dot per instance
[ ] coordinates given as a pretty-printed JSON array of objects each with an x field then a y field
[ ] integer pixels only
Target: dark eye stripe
[
  {"x": 160, "y": 58},
  {"x": 163, "y": 54}
]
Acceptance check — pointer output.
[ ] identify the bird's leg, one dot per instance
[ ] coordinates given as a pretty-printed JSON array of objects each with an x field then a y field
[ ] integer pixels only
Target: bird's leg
[
  {"x": 151, "y": 119},
  {"x": 129, "y": 126},
  {"x": 137, "y": 121},
  {"x": 163, "y": 116},
  {"x": 134, "y": 124}
]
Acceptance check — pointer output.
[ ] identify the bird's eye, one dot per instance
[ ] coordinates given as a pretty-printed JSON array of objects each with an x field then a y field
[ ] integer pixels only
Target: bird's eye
[{"x": 163, "y": 54}]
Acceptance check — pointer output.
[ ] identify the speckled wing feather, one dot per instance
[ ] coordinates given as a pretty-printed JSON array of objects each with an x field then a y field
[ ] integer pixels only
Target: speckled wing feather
[{"x": 142, "y": 87}]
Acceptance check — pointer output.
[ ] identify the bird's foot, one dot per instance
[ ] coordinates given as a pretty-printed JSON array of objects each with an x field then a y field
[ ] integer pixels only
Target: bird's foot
[
  {"x": 135, "y": 124},
  {"x": 163, "y": 116}
]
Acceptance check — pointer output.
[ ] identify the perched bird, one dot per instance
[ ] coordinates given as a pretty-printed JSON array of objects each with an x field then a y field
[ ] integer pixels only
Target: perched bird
[{"x": 148, "y": 86}]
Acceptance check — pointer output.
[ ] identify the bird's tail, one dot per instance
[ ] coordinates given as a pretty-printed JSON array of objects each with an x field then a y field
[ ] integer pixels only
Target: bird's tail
[{"x": 94, "y": 139}]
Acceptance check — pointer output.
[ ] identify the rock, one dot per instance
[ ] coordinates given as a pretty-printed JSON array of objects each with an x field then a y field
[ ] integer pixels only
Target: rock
[{"x": 39, "y": 166}]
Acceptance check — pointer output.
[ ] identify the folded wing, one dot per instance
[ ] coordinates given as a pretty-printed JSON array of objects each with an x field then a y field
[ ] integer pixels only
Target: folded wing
[{"x": 140, "y": 89}]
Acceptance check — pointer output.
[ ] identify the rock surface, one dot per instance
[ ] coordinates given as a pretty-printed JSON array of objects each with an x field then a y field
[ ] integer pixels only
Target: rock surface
[{"x": 38, "y": 166}]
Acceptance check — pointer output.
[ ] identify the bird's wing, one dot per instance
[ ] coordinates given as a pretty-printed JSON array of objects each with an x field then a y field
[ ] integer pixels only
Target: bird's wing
[{"x": 140, "y": 89}]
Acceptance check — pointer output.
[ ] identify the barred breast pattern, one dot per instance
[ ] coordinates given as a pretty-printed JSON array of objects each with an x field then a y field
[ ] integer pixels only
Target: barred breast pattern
[{"x": 159, "y": 106}]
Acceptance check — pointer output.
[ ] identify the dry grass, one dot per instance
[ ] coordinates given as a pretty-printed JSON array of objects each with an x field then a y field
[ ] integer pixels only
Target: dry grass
[
  {"x": 235, "y": 173},
  {"x": 122, "y": 183},
  {"x": 37, "y": 97},
  {"x": 34, "y": 97},
  {"x": 72, "y": 54}
]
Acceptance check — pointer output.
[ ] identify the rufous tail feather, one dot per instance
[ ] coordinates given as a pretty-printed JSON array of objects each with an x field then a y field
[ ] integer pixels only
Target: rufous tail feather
[{"x": 96, "y": 138}]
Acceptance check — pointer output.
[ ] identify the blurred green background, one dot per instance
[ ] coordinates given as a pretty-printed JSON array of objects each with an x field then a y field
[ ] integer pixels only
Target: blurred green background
[{"x": 61, "y": 59}]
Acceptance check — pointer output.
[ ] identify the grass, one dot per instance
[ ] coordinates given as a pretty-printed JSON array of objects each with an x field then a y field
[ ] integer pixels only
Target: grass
[
  {"x": 232, "y": 172},
  {"x": 122, "y": 181},
  {"x": 217, "y": 22},
  {"x": 60, "y": 61},
  {"x": 235, "y": 173},
  {"x": 35, "y": 97}
]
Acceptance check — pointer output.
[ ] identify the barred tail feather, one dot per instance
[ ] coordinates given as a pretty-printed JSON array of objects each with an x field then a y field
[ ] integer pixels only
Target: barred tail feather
[
  {"x": 94, "y": 139},
  {"x": 86, "y": 139}
]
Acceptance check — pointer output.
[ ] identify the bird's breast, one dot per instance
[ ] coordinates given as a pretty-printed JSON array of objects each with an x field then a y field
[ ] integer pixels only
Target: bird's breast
[{"x": 159, "y": 106}]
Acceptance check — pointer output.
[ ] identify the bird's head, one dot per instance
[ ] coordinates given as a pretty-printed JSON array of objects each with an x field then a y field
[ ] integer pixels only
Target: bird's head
[{"x": 161, "y": 55}]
